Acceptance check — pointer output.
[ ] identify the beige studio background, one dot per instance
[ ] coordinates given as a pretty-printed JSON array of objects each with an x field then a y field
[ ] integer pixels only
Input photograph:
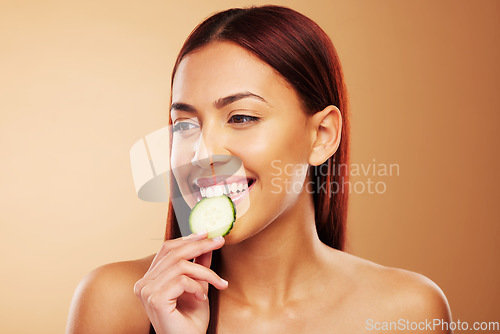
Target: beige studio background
[{"x": 82, "y": 81}]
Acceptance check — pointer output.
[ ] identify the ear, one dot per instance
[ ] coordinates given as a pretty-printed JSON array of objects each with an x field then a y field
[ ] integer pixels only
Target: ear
[{"x": 326, "y": 126}]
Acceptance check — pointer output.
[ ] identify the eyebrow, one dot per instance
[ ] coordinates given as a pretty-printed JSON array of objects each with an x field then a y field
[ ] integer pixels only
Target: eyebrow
[{"x": 220, "y": 103}]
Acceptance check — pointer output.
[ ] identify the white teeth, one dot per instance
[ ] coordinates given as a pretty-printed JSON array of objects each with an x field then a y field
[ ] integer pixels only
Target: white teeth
[{"x": 219, "y": 190}]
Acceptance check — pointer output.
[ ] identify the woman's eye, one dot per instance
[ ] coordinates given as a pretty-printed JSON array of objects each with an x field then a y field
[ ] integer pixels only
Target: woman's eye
[
  {"x": 183, "y": 126},
  {"x": 241, "y": 119}
]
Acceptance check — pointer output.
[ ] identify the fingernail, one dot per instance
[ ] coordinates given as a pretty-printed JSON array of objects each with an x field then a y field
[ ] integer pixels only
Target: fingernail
[
  {"x": 193, "y": 235},
  {"x": 224, "y": 281},
  {"x": 204, "y": 296},
  {"x": 219, "y": 238}
]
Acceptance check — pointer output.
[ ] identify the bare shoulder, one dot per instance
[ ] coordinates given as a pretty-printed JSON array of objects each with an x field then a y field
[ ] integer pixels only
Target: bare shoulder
[
  {"x": 393, "y": 294},
  {"x": 104, "y": 300}
]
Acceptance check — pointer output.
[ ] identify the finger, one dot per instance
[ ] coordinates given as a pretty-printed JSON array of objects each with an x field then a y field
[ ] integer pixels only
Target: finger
[
  {"x": 193, "y": 270},
  {"x": 174, "y": 243},
  {"x": 168, "y": 245},
  {"x": 204, "y": 259},
  {"x": 184, "y": 252},
  {"x": 166, "y": 298}
]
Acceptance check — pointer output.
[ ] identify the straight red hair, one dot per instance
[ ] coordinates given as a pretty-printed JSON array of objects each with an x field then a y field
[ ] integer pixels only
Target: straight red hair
[{"x": 298, "y": 49}]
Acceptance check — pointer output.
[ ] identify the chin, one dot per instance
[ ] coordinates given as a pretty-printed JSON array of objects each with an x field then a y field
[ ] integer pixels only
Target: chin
[{"x": 245, "y": 228}]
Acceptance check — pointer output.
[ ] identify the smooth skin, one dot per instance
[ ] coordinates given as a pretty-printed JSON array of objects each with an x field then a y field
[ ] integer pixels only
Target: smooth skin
[{"x": 281, "y": 277}]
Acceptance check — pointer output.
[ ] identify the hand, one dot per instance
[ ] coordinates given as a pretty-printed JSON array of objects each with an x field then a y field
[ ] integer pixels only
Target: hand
[{"x": 174, "y": 290}]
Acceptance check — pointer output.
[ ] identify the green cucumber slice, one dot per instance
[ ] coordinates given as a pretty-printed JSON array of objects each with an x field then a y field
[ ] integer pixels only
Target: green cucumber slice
[{"x": 216, "y": 215}]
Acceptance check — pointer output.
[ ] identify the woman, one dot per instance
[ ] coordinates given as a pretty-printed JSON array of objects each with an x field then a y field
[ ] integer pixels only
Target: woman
[{"x": 264, "y": 85}]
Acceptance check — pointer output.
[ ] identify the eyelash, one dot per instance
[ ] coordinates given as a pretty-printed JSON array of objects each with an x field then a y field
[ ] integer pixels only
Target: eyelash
[
  {"x": 252, "y": 119},
  {"x": 178, "y": 126}
]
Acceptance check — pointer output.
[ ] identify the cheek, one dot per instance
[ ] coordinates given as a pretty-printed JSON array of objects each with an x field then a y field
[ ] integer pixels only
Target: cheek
[
  {"x": 282, "y": 142},
  {"x": 180, "y": 163},
  {"x": 278, "y": 155},
  {"x": 178, "y": 156},
  {"x": 176, "y": 164}
]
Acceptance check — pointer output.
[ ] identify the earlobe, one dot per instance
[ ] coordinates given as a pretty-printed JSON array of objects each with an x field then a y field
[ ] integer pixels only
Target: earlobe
[{"x": 327, "y": 130}]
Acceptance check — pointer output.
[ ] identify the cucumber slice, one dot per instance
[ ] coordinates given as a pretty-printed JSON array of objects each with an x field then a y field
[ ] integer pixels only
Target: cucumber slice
[{"x": 216, "y": 215}]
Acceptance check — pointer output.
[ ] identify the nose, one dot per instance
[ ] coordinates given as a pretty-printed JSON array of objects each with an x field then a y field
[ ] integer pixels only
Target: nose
[{"x": 209, "y": 150}]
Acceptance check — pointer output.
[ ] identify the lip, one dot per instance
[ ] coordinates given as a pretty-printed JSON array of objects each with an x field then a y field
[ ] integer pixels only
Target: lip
[
  {"x": 219, "y": 179},
  {"x": 237, "y": 198}
]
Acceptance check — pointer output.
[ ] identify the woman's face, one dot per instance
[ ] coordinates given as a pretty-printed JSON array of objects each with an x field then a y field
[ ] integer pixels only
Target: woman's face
[{"x": 232, "y": 109}]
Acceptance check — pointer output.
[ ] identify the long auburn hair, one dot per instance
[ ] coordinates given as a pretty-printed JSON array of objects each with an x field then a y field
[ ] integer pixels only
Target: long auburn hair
[{"x": 304, "y": 55}]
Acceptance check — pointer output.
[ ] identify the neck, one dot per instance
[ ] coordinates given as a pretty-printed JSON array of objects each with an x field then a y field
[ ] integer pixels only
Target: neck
[{"x": 270, "y": 268}]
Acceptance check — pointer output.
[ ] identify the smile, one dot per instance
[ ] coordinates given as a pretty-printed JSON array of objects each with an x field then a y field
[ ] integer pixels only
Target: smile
[
  {"x": 235, "y": 187},
  {"x": 225, "y": 189}
]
